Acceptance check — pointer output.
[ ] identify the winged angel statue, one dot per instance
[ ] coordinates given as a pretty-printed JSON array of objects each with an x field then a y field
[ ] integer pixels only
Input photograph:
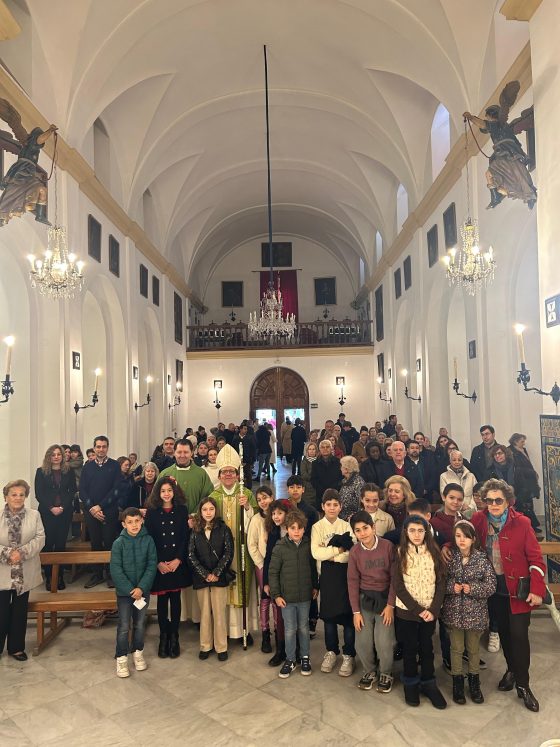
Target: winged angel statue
[
  {"x": 24, "y": 184},
  {"x": 507, "y": 175}
]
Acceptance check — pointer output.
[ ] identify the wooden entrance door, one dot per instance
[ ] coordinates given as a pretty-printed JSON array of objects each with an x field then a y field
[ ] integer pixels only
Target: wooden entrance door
[{"x": 279, "y": 389}]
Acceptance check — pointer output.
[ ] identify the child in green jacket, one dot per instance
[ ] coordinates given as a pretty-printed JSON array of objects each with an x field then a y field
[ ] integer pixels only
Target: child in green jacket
[{"x": 133, "y": 569}]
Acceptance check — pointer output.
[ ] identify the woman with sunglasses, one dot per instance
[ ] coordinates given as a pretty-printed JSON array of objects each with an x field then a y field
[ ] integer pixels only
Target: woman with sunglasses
[{"x": 513, "y": 550}]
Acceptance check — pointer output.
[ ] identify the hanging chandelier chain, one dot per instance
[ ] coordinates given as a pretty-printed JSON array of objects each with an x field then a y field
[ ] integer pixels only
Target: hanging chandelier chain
[{"x": 467, "y": 170}]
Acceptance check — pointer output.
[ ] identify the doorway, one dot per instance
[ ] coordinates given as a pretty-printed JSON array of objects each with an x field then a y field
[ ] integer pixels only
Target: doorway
[{"x": 278, "y": 393}]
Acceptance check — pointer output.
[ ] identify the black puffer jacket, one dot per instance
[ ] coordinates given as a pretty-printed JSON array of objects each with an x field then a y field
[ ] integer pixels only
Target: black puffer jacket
[
  {"x": 292, "y": 574},
  {"x": 212, "y": 555}
]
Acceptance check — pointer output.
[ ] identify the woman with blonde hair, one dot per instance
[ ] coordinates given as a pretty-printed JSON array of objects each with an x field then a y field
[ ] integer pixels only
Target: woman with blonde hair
[
  {"x": 55, "y": 487},
  {"x": 351, "y": 487},
  {"x": 398, "y": 495}
]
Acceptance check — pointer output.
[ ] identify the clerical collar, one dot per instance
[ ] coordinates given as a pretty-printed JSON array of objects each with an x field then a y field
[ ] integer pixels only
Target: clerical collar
[
  {"x": 230, "y": 491},
  {"x": 183, "y": 468}
]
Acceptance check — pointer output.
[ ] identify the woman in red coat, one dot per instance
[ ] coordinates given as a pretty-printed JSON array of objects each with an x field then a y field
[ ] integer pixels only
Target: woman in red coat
[{"x": 513, "y": 550}]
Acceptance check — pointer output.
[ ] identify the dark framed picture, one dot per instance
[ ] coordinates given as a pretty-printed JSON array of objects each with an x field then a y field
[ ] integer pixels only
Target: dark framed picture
[
  {"x": 232, "y": 293},
  {"x": 155, "y": 290},
  {"x": 552, "y": 311},
  {"x": 418, "y": 365},
  {"x": 379, "y": 316},
  {"x": 389, "y": 374},
  {"x": 433, "y": 251},
  {"x": 398, "y": 283},
  {"x": 144, "y": 281},
  {"x": 76, "y": 361},
  {"x": 135, "y": 372},
  {"x": 94, "y": 238},
  {"x": 325, "y": 291},
  {"x": 407, "y": 272},
  {"x": 381, "y": 367},
  {"x": 281, "y": 254},
  {"x": 450, "y": 226},
  {"x": 178, "y": 317},
  {"x": 472, "y": 349},
  {"x": 114, "y": 256},
  {"x": 168, "y": 379}
]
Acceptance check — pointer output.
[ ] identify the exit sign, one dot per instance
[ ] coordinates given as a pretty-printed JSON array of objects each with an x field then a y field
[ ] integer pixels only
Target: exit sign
[{"x": 314, "y": 405}]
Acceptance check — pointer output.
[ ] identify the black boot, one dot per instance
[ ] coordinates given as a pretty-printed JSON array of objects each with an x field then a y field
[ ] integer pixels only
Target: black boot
[
  {"x": 459, "y": 689},
  {"x": 412, "y": 694},
  {"x": 163, "y": 650},
  {"x": 507, "y": 682},
  {"x": 41, "y": 214},
  {"x": 528, "y": 698},
  {"x": 266, "y": 646},
  {"x": 474, "y": 689},
  {"x": 174, "y": 648},
  {"x": 280, "y": 655},
  {"x": 48, "y": 583},
  {"x": 495, "y": 198},
  {"x": 430, "y": 689},
  {"x": 61, "y": 583}
]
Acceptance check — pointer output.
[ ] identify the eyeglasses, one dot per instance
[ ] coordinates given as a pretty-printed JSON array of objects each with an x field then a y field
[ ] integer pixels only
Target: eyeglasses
[
  {"x": 229, "y": 472},
  {"x": 493, "y": 501}
]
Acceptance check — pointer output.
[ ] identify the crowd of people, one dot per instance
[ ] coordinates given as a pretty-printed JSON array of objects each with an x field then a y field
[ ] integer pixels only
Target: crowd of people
[{"x": 378, "y": 533}]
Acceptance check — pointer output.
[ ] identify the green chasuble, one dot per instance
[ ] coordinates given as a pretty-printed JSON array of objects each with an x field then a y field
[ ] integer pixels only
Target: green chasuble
[
  {"x": 194, "y": 482},
  {"x": 230, "y": 511}
]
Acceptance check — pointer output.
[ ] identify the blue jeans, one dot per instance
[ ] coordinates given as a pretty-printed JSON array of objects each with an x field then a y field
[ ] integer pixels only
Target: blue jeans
[
  {"x": 331, "y": 637},
  {"x": 127, "y": 610},
  {"x": 296, "y": 623}
]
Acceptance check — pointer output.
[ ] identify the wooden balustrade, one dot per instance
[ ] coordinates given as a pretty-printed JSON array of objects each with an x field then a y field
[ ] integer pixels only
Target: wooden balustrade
[{"x": 329, "y": 333}]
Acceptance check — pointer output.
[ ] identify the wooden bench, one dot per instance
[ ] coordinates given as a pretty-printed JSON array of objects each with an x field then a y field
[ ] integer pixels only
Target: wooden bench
[
  {"x": 53, "y": 602},
  {"x": 552, "y": 548}
]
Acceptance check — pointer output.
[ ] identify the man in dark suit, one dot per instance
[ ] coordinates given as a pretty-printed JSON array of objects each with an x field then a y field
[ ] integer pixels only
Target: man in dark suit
[
  {"x": 400, "y": 464},
  {"x": 481, "y": 459}
]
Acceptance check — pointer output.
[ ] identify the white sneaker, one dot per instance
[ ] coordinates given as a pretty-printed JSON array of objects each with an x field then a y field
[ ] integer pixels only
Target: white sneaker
[
  {"x": 329, "y": 660},
  {"x": 347, "y": 666},
  {"x": 122, "y": 666},
  {"x": 494, "y": 643},
  {"x": 139, "y": 661}
]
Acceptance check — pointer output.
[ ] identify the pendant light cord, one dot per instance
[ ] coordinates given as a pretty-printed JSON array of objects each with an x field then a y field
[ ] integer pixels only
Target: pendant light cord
[{"x": 268, "y": 169}]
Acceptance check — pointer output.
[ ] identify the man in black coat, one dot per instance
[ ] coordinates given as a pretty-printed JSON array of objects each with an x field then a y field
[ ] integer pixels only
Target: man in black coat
[
  {"x": 264, "y": 450},
  {"x": 481, "y": 459},
  {"x": 325, "y": 472},
  {"x": 426, "y": 463},
  {"x": 349, "y": 435},
  {"x": 400, "y": 464},
  {"x": 299, "y": 437},
  {"x": 389, "y": 429}
]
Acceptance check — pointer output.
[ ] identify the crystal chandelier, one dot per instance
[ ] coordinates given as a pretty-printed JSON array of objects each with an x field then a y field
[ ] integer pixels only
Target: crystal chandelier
[
  {"x": 269, "y": 322},
  {"x": 469, "y": 267},
  {"x": 58, "y": 274}
]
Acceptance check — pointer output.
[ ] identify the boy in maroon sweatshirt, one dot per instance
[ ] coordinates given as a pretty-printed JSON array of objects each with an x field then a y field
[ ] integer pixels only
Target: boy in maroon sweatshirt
[{"x": 372, "y": 598}]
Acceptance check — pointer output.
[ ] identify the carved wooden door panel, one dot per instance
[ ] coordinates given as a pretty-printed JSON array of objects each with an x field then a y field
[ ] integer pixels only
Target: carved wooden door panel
[{"x": 278, "y": 389}]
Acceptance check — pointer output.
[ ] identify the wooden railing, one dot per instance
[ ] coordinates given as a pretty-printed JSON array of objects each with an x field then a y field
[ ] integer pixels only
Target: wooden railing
[{"x": 329, "y": 333}]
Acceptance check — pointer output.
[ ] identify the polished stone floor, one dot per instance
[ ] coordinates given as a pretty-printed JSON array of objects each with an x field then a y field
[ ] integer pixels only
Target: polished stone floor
[{"x": 69, "y": 695}]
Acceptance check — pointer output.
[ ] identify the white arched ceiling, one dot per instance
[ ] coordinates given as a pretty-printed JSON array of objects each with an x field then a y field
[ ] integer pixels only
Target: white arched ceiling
[{"x": 179, "y": 85}]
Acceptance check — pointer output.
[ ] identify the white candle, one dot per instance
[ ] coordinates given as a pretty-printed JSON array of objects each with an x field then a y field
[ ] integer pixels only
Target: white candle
[
  {"x": 9, "y": 342},
  {"x": 519, "y": 328},
  {"x": 455, "y": 366}
]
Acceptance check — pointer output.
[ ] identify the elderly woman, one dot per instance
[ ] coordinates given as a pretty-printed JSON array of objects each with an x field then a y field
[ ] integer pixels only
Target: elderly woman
[
  {"x": 350, "y": 488},
  {"x": 458, "y": 474},
  {"x": 21, "y": 540},
  {"x": 502, "y": 467},
  {"x": 511, "y": 545},
  {"x": 55, "y": 487},
  {"x": 325, "y": 471},
  {"x": 525, "y": 481},
  {"x": 339, "y": 441},
  {"x": 398, "y": 494},
  {"x": 143, "y": 488},
  {"x": 309, "y": 457}
]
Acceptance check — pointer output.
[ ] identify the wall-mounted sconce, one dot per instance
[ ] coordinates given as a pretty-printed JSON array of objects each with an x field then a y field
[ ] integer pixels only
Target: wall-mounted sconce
[
  {"x": 524, "y": 374},
  {"x": 456, "y": 386},
  {"x": 404, "y": 372},
  {"x": 341, "y": 381},
  {"x": 218, "y": 385},
  {"x": 7, "y": 384},
  {"x": 418, "y": 365},
  {"x": 383, "y": 397},
  {"x": 148, "y": 398},
  {"x": 94, "y": 397}
]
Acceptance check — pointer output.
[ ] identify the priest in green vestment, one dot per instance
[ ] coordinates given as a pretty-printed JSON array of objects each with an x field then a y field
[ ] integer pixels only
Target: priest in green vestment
[
  {"x": 236, "y": 505},
  {"x": 194, "y": 481}
]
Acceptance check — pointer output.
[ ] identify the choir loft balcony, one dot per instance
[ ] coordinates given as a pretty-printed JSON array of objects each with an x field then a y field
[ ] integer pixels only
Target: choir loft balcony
[{"x": 318, "y": 334}]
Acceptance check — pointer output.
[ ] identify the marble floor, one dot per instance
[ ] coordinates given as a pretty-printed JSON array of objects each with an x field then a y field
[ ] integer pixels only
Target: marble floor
[{"x": 69, "y": 695}]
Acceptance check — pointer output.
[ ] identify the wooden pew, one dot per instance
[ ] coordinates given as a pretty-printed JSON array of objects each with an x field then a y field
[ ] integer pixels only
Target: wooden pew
[
  {"x": 552, "y": 548},
  {"x": 53, "y": 602}
]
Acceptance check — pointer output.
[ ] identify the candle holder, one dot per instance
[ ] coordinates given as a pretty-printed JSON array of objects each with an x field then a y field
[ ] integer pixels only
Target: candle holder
[
  {"x": 176, "y": 402},
  {"x": 456, "y": 386},
  {"x": 408, "y": 396},
  {"x": 7, "y": 389},
  {"x": 218, "y": 385},
  {"x": 524, "y": 378},
  {"x": 385, "y": 398},
  {"x": 341, "y": 381},
  {"x": 144, "y": 404},
  {"x": 94, "y": 401}
]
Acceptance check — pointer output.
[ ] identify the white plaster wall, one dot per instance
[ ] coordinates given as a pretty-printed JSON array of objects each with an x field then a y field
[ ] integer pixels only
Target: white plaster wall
[
  {"x": 318, "y": 371},
  {"x": 314, "y": 261}
]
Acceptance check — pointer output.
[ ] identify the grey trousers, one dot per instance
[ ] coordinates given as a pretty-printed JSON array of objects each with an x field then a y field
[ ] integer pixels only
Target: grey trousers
[{"x": 383, "y": 636}]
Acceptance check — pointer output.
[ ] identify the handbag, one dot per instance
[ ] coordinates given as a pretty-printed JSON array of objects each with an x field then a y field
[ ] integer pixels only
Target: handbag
[{"x": 523, "y": 588}]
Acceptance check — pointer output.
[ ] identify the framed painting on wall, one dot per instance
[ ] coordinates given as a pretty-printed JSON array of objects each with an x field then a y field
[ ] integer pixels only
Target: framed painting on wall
[
  {"x": 232, "y": 293},
  {"x": 325, "y": 291}
]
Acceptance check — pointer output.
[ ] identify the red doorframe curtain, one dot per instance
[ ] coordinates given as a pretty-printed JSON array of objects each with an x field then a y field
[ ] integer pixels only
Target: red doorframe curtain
[{"x": 288, "y": 288}]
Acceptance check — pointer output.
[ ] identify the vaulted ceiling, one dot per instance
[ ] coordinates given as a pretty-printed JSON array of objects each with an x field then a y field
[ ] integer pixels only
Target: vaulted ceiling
[{"x": 179, "y": 87}]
